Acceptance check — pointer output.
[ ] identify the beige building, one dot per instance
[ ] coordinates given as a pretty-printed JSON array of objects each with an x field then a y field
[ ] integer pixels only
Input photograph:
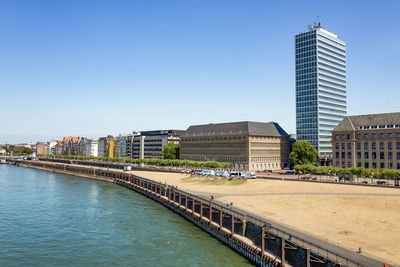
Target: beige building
[
  {"x": 368, "y": 141},
  {"x": 245, "y": 145}
]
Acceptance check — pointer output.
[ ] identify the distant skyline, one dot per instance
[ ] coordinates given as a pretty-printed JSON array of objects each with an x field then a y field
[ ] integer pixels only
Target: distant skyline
[{"x": 92, "y": 68}]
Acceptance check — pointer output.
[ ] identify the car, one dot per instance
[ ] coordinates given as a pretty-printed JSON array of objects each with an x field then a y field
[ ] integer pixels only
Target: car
[
  {"x": 249, "y": 175},
  {"x": 364, "y": 182},
  {"x": 380, "y": 182},
  {"x": 267, "y": 170}
]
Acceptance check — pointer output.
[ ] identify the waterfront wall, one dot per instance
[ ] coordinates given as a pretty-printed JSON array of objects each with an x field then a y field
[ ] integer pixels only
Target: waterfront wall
[{"x": 262, "y": 242}]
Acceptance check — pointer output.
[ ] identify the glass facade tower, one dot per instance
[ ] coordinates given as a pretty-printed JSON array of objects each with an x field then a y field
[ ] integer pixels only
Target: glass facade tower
[{"x": 320, "y": 87}]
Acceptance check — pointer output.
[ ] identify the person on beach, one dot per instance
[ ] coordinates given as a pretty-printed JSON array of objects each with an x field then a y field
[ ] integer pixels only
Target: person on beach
[{"x": 231, "y": 205}]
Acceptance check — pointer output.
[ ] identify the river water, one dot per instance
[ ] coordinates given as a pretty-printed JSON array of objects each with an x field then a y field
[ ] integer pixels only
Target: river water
[{"x": 50, "y": 219}]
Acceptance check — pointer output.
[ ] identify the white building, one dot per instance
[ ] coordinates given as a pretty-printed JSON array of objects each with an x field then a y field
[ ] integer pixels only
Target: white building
[
  {"x": 91, "y": 147},
  {"x": 51, "y": 147},
  {"x": 320, "y": 87}
]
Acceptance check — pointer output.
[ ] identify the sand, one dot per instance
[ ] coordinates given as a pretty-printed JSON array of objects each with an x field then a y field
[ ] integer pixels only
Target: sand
[{"x": 349, "y": 216}]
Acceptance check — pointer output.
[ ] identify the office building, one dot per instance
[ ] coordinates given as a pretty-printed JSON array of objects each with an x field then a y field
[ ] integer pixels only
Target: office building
[
  {"x": 368, "y": 141},
  {"x": 246, "y": 145},
  {"x": 320, "y": 88}
]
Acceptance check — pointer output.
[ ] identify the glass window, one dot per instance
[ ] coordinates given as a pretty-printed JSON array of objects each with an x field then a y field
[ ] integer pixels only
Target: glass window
[
  {"x": 349, "y": 155},
  {"x": 382, "y": 136},
  {"x": 365, "y": 145},
  {"x": 398, "y": 155},
  {"x": 343, "y": 155},
  {"x": 373, "y": 145},
  {"x": 366, "y": 155},
  {"x": 382, "y": 155},
  {"x": 382, "y": 165},
  {"x": 390, "y": 155},
  {"x": 337, "y": 137},
  {"x": 390, "y": 135},
  {"x": 398, "y": 145},
  {"x": 358, "y": 136},
  {"x": 373, "y": 136},
  {"x": 348, "y": 137},
  {"x": 398, "y": 135},
  {"x": 337, "y": 145},
  {"x": 342, "y": 136},
  {"x": 358, "y": 145},
  {"x": 359, "y": 155},
  {"x": 343, "y": 145},
  {"x": 365, "y": 136},
  {"x": 390, "y": 145},
  {"x": 337, "y": 155},
  {"x": 348, "y": 145},
  {"x": 374, "y": 155},
  {"x": 382, "y": 145},
  {"x": 358, "y": 164},
  {"x": 366, "y": 165}
]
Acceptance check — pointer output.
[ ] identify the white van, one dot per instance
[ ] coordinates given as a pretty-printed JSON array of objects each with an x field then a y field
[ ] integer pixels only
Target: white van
[{"x": 250, "y": 175}]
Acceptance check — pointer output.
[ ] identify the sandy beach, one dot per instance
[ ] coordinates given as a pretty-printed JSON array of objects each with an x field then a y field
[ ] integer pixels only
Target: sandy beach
[{"x": 350, "y": 216}]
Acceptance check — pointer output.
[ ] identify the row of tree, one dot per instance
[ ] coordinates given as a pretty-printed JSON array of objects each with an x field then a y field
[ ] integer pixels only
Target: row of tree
[
  {"x": 359, "y": 172},
  {"x": 154, "y": 162}
]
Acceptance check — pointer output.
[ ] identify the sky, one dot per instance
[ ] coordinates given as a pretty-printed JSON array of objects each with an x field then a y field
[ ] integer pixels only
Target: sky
[{"x": 92, "y": 68}]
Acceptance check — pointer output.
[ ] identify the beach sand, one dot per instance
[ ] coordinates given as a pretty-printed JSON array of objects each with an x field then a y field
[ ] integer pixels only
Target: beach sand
[{"x": 349, "y": 216}]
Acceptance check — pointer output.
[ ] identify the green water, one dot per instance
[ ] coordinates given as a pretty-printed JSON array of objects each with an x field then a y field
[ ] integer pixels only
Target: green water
[{"x": 49, "y": 219}]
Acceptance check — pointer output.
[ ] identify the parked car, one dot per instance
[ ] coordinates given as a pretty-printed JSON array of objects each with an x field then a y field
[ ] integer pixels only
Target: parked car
[
  {"x": 249, "y": 175},
  {"x": 235, "y": 174},
  {"x": 267, "y": 170}
]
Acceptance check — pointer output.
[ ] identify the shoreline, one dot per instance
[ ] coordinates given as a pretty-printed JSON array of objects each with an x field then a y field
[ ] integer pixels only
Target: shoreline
[{"x": 122, "y": 178}]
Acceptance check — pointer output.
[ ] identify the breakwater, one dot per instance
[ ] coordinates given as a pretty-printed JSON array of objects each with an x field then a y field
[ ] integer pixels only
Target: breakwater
[{"x": 263, "y": 242}]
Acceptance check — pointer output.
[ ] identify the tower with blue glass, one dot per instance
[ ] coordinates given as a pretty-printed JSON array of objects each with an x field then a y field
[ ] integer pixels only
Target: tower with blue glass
[{"x": 320, "y": 87}]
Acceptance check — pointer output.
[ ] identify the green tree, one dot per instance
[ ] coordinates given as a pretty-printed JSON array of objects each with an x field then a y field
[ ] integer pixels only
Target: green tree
[
  {"x": 171, "y": 151},
  {"x": 303, "y": 153}
]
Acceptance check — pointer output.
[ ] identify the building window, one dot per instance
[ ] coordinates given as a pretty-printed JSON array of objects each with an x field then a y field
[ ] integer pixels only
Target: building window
[
  {"x": 398, "y": 155},
  {"x": 398, "y": 135},
  {"x": 390, "y": 136},
  {"x": 366, "y": 155},
  {"x": 343, "y": 145},
  {"x": 337, "y": 155},
  {"x": 366, "y": 165},
  {"x": 343, "y": 155},
  {"x": 349, "y": 165},
  {"x": 358, "y": 136},
  {"x": 365, "y": 136},
  {"x": 382, "y": 165},
  {"x": 373, "y": 145},
  {"x": 390, "y": 145},
  {"x": 359, "y": 155},
  {"x": 337, "y": 145},
  {"x": 382, "y": 145},
  {"x": 373, "y": 155},
  {"x": 398, "y": 145},
  {"x": 365, "y": 145},
  {"x": 358, "y": 164},
  {"x": 373, "y": 165},
  {"x": 390, "y": 165},
  {"x": 382, "y": 155},
  {"x": 348, "y": 137},
  {"x": 390, "y": 155},
  {"x": 382, "y": 136},
  {"x": 337, "y": 137},
  {"x": 374, "y": 136},
  {"x": 349, "y": 155},
  {"x": 358, "y": 145},
  {"x": 348, "y": 145},
  {"x": 342, "y": 136}
]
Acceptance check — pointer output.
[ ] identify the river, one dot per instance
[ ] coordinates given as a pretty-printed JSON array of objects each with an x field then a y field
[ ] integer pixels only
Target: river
[{"x": 50, "y": 219}]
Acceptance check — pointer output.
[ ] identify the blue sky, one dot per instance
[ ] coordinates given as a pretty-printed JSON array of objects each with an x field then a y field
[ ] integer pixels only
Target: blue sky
[{"x": 92, "y": 68}]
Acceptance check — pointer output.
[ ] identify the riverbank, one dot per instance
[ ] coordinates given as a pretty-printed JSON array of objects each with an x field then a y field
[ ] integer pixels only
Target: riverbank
[
  {"x": 242, "y": 219},
  {"x": 349, "y": 216}
]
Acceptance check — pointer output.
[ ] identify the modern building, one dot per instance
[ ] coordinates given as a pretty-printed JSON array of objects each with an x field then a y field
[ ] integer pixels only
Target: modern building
[
  {"x": 71, "y": 145},
  {"x": 149, "y": 144},
  {"x": 59, "y": 149},
  {"x": 91, "y": 147},
  {"x": 246, "y": 145},
  {"x": 368, "y": 141},
  {"x": 103, "y": 146},
  {"x": 51, "y": 146},
  {"x": 320, "y": 87}
]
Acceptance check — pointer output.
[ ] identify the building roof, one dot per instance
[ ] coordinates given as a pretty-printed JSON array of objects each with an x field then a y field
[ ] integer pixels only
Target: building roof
[
  {"x": 369, "y": 121},
  {"x": 73, "y": 138},
  {"x": 236, "y": 128}
]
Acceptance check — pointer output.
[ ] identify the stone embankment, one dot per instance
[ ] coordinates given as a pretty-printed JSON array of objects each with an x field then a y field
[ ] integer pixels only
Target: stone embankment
[{"x": 263, "y": 242}]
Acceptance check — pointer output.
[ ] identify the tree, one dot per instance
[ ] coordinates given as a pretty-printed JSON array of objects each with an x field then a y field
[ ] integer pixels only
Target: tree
[
  {"x": 171, "y": 151},
  {"x": 303, "y": 153}
]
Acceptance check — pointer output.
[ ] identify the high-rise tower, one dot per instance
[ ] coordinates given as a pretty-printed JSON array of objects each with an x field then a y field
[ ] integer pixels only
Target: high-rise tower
[{"x": 320, "y": 87}]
